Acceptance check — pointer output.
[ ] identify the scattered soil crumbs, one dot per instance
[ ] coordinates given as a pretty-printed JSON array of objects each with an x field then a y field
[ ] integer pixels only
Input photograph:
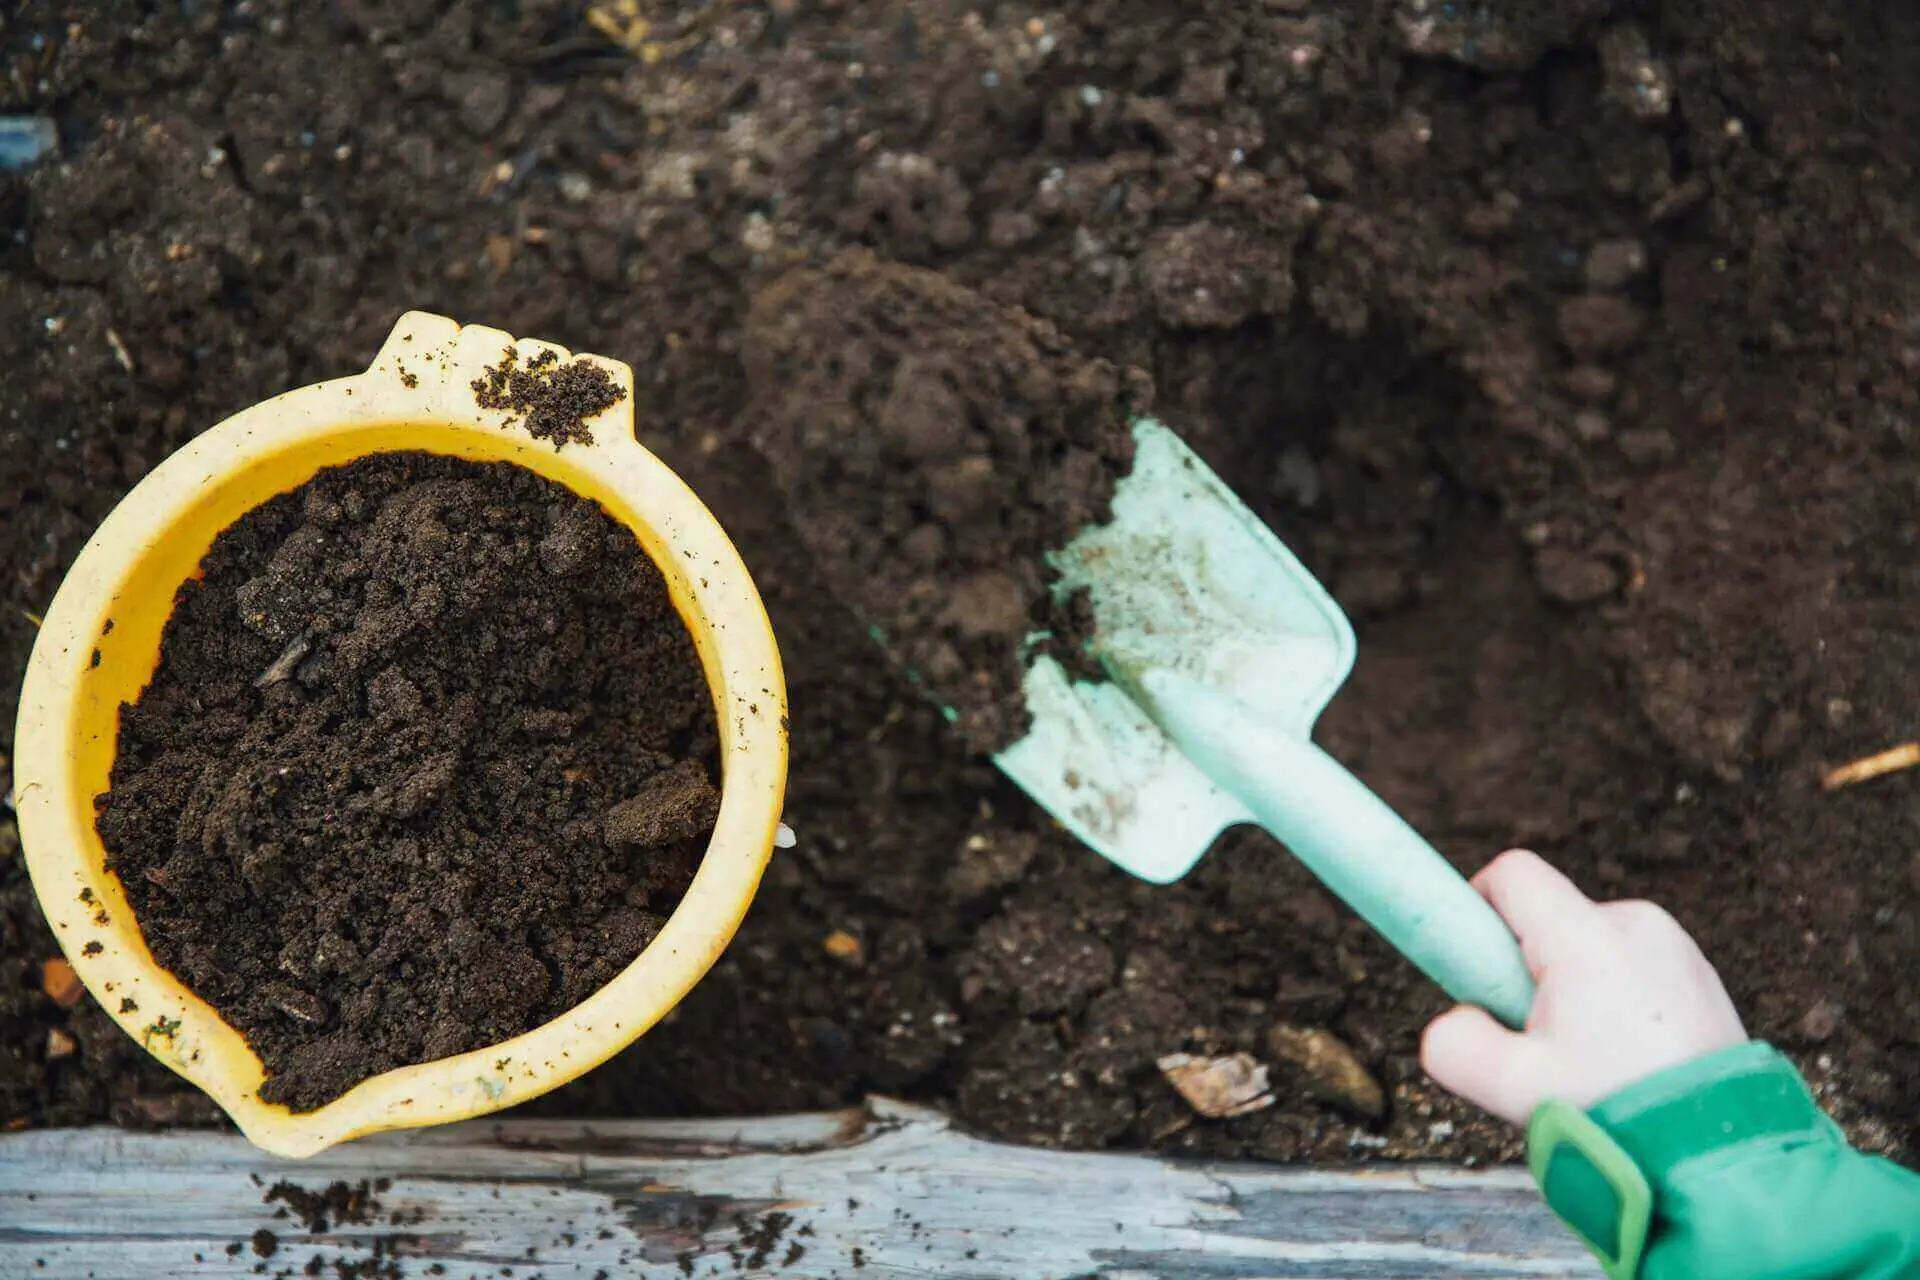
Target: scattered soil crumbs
[
  {"x": 555, "y": 400},
  {"x": 338, "y": 1203},
  {"x": 1572, "y": 344},
  {"x": 427, "y": 760},
  {"x": 930, "y": 477},
  {"x": 758, "y": 1239}
]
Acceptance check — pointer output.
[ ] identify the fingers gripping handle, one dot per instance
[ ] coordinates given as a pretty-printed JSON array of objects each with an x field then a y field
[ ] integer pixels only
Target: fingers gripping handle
[{"x": 1363, "y": 851}]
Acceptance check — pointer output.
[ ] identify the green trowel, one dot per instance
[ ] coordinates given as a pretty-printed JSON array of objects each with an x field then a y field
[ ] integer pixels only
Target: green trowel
[{"x": 1220, "y": 651}]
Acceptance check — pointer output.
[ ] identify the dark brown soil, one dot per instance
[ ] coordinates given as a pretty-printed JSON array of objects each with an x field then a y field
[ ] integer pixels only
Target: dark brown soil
[
  {"x": 427, "y": 760},
  {"x": 1573, "y": 344},
  {"x": 929, "y": 480},
  {"x": 553, "y": 401}
]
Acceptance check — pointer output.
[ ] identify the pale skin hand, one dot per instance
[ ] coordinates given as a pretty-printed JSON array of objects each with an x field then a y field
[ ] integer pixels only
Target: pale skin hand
[{"x": 1623, "y": 993}]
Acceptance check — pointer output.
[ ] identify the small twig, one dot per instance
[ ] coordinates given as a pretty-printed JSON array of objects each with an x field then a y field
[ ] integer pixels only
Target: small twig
[
  {"x": 1892, "y": 760},
  {"x": 289, "y": 658},
  {"x": 120, "y": 351},
  {"x": 1168, "y": 1130}
]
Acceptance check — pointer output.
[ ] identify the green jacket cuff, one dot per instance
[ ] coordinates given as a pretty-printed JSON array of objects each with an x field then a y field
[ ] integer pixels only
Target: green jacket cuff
[
  {"x": 1724, "y": 1167},
  {"x": 1701, "y": 1107}
]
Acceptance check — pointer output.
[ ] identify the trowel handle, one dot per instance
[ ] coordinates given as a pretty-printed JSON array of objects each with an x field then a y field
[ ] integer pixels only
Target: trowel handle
[
  {"x": 1359, "y": 848},
  {"x": 1392, "y": 878}
]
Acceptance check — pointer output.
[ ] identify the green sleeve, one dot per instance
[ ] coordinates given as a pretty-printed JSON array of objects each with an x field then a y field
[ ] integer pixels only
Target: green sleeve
[{"x": 1748, "y": 1179}]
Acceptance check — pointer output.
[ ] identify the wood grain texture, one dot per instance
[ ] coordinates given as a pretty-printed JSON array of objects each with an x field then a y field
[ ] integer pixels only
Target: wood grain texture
[{"x": 867, "y": 1194}]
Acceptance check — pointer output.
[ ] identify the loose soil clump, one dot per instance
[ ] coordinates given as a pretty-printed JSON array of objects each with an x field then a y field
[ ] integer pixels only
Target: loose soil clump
[
  {"x": 553, "y": 399},
  {"x": 428, "y": 759},
  {"x": 931, "y": 477}
]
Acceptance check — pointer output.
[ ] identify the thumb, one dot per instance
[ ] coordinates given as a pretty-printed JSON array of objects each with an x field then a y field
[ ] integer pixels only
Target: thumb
[{"x": 1471, "y": 1055}]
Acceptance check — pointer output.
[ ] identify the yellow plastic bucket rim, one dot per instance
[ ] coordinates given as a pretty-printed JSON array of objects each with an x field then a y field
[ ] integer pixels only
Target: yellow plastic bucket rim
[{"x": 417, "y": 394}]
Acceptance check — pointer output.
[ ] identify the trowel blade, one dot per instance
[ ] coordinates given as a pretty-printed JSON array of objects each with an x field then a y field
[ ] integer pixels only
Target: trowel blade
[{"x": 1184, "y": 578}]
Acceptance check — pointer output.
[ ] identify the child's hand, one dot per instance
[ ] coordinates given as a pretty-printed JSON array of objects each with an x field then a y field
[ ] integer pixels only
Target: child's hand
[{"x": 1623, "y": 993}]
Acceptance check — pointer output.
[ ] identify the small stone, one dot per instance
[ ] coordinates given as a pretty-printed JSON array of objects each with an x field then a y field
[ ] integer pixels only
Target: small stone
[
  {"x": 1647, "y": 446},
  {"x": 60, "y": 1044},
  {"x": 1217, "y": 1088},
  {"x": 1333, "y": 1074},
  {"x": 1820, "y": 1021},
  {"x": 575, "y": 187},
  {"x": 757, "y": 234},
  {"x": 842, "y": 945},
  {"x": 1612, "y": 264},
  {"x": 1591, "y": 383},
  {"x": 61, "y": 983},
  {"x": 1599, "y": 324},
  {"x": 1635, "y": 78},
  {"x": 1574, "y": 577}
]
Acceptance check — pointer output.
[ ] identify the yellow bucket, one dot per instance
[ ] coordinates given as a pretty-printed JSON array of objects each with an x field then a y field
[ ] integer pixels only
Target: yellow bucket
[{"x": 100, "y": 644}]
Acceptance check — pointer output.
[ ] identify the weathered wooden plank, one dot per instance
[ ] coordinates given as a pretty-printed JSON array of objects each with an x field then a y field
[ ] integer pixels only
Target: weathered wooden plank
[{"x": 874, "y": 1194}]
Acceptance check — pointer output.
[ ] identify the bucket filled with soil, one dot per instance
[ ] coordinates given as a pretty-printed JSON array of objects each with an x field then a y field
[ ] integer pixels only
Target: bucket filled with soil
[{"x": 405, "y": 746}]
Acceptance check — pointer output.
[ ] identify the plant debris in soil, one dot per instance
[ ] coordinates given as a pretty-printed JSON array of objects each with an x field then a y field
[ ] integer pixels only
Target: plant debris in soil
[
  {"x": 474, "y": 779},
  {"x": 1573, "y": 350},
  {"x": 555, "y": 399}
]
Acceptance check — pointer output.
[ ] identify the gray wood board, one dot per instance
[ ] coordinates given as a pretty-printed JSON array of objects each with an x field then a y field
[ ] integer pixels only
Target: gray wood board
[{"x": 867, "y": 1194}]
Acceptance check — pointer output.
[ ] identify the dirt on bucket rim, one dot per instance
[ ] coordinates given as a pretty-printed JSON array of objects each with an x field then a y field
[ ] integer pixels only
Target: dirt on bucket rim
[{"x": 1574, "y": 350}]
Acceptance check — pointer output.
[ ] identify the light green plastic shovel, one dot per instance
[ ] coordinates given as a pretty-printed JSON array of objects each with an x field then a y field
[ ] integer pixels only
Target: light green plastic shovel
[{"x": 1221, "y": 651}]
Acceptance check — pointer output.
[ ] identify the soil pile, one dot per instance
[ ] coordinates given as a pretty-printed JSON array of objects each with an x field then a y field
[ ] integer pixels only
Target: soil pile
[
  {"x": 427, "y": 760},
  {"x": 930, "y": 478}
]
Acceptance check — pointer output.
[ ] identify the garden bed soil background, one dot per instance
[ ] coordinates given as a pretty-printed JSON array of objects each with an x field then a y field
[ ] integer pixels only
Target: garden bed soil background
[{"x": 1573, "y": 344}]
